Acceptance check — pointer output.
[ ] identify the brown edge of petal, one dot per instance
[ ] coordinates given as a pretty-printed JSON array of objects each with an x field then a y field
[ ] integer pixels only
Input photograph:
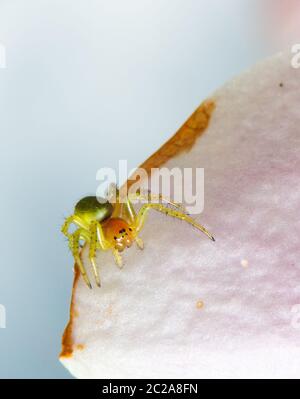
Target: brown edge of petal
[
  {"x": 67, "y": 338},
  {"x": 182, "y": 140}
]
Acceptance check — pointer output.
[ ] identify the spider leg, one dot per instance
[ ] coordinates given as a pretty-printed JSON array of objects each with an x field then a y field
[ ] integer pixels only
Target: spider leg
[
  {"x": 92, "y": 251},
  {"x": 103, "y": 243},
  {"x": 132, "y": 217},
  {"x": 74, "y": 246},
  {"x": 130, "y": 210},
  {"x": 75, "y": 220},
  {"x": 139, "y": 242},
  {"x": 118, "y": 258},
  {"x": 141, "y": 217},
  {"x": 156, "y": 197}
]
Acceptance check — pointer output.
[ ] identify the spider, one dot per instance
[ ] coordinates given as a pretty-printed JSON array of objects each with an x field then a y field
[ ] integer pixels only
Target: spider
[{"x": 115, "y": 226}]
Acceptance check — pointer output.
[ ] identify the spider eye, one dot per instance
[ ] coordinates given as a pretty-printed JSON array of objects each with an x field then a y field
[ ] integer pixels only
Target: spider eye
[
  {"x": 130, "y": 229},
  {"x": 115, "y": 237}
]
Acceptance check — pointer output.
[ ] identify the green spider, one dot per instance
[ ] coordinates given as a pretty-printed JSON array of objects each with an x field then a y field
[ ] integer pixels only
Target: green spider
[{"x": 115, "y": 226}]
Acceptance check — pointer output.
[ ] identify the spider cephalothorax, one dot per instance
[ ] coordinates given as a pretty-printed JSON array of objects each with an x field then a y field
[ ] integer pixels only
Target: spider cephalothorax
[
  {"x": 115, "y": 226},
  {"x": 119, "y": 231}
]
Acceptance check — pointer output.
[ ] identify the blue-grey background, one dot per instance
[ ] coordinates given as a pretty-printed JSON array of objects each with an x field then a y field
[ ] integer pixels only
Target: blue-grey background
[{"x": 88, "y": 83}]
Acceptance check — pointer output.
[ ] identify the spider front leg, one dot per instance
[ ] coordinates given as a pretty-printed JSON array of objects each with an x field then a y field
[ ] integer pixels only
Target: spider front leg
[
  {"x": 105, "y": 245},
  {"x": 139, "y": 242},
  {"x": 118, "y": 258},
  {"x": 141, "y": 217},
  {"x": 74, "y": 246},
  {"x": 92, "y": 251},
  {"x": 131, "y": 214},
  {"x": 153, "y": 198}
]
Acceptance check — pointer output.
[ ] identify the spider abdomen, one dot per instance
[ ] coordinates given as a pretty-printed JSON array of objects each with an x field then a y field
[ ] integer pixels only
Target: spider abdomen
[{"x": 93, "y": 208}]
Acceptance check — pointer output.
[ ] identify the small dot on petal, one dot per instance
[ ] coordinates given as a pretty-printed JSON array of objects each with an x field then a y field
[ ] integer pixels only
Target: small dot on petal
[{"x": 199, "y": 304}]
